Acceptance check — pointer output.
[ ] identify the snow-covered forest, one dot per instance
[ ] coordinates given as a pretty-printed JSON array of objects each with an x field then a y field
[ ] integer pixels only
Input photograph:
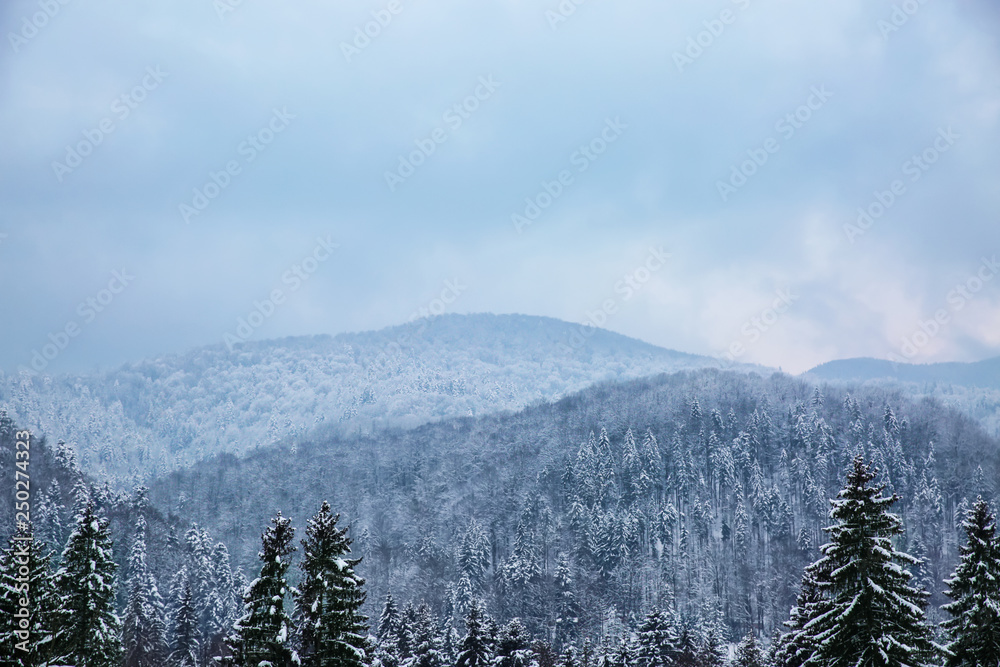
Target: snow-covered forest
[
  {"x": 144, "y": 419},
  {"x": 674, "y": 520}
]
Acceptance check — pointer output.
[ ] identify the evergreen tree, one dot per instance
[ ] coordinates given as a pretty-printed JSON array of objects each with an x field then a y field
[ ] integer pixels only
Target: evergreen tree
[
  {"x": 711, "y": 651},
  {"x": 407, "y": 630},
  {"x": 567, "y": 608},
  {"x": 388, "y": 621},
  {"x": 90, "y": 629},
  {"x": 262, "y": 634},
  {"x": 25, "y": 576},
  {"x": 687, "y": 648},
  {"x": 427, "y": 648},
  {"x": 185, "y": 639},
  {"x": 974, "y": 626},
  {"x": 50, "y": 513},
  {"x": 512, "y": 647},
  {"x": 476, "y": 649},
  {"x": 328, "y": 602},
  {"x": 622, "y": 655},
  {"x": 749, "y": 653},
  {"x": 796, "y": 646},
  {"x": 474, "y": 553},
  {"x": 657, "y": 641},
  {"x": 875, "y": 617},
  {"x": 144, "y": 632},
  {"x": 225, "y": 596}
]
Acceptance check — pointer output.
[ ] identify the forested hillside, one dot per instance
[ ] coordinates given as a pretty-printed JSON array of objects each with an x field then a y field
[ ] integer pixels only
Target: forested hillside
[
  {"x": 147, "y": 418},
  {"x": 973, "y": 388},
  {"x": 705, "y": 491}
]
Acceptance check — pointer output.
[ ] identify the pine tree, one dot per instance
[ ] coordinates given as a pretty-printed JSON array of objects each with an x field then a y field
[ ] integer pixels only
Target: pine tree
[
  {"x": 974, "y": 626},
  {"x": 144, "y": 632},
  {"x": 90, "y": 629},
  {"x": 262, "y": 634},
  {"x": 329, "y": 599},
  {"x": 749, "y": 653},
  {"x": 185, "y": 639},
  {"x": 875, "y": 617},
  {"x": 476, "y": 649},
  {"x": 36, "y": 644}
]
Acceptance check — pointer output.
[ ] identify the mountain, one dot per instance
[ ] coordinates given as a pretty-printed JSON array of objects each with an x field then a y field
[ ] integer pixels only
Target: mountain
[
  {"x": 146, "y": 418},
  {"x": 985, "y": 374},
  {"x": 704, "y": 490},
  {"x": 973, "y": 388}
]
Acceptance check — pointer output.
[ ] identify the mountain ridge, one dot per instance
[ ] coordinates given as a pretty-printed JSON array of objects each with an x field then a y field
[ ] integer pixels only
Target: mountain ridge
[{"x": 147, "y": 417}]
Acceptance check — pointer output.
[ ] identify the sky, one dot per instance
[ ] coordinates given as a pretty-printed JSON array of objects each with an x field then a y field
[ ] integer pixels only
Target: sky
[{"x": 782, "y": 182}]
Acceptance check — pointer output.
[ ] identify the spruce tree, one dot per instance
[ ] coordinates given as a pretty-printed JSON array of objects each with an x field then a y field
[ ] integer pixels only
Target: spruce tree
[
  {"x": 974, "y": 626},
  {"x": 622, "y": 655},
  {"x": 427, "y": 649},
  {"x": 687, "y": 648},
  {"x": 476, "y": 649},
  {"x": 749, "y": 653},
  {"x": 796, "y": 646},
  {"x": 875, "y": 617},
  {"x": 328, "y": 602},
  {"x": 25, "y": 577},
  {"x": 144, "y": 632},
  {"x": 388, "y": 621},
  {"x": 90, "y": 628},
  {"x": 512, "y": 647},
  {"x": 657, "y": 641},
  {"x": 262, "y": 634},
  {"x": 185, "y": 643},
  {"x": 386, "y": 652}
]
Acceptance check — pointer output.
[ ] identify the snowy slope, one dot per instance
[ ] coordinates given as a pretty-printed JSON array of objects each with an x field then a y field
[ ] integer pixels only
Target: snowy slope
[{"x": 152, "y": 416}]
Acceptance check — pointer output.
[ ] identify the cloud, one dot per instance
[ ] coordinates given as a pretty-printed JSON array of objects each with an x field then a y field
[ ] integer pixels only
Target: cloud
[{"x": 559, "y": 84}]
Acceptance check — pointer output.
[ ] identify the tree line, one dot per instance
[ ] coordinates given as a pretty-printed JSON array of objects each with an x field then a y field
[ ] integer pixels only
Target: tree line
[{"x": 859, "y": 604}]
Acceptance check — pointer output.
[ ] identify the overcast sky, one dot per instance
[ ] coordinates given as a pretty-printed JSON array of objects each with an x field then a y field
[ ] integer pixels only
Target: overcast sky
[{"x": 832, "y": 100}]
